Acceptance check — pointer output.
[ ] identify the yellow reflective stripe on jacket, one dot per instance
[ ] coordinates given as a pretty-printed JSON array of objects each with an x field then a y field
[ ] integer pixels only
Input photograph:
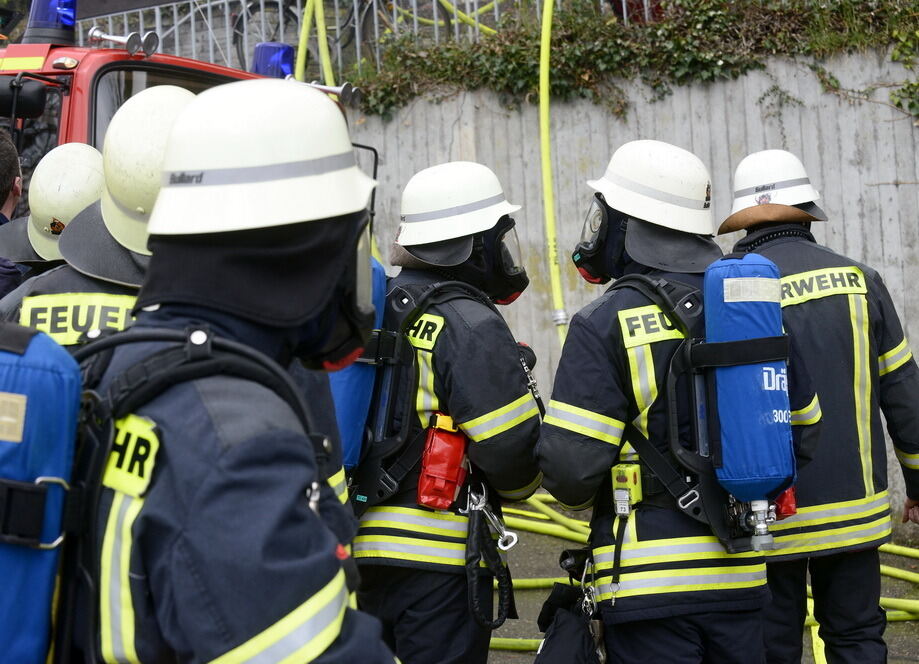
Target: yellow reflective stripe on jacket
[
  {"x": 410, "y": 548},
  {"x": 815, "y": 284},
  {"x": 847, "y": 510},
  {"x": 416, "y": 520},
  {"x": 644, "y": 384},
  {"x": 426, "y": 401},
  {"x": 894, "y": 359},
  {"x": 583, "y": 421},
  {"x": 408, "y": 534},
  {"x": 908, "y": 460},
  {"x": 665, "y": 551},
  {"x": 339, "y": 485},
  {"x": 858, "y": 310},
  {"x": 65, "y": 317},
  {"x": 525, "y": 492},
  {"x": 501, "y": 419},
  {"x": 835, "y": 538},
  {"x": 302, "y": 635},
  {"x": 116, "y": 607},
  {"x": 696, "y": 579},
  {"x": 810, "y": 414}
]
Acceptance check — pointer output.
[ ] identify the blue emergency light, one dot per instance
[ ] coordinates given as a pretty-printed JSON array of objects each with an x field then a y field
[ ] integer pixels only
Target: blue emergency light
[
  {"x": 51, "y": 22},
  {"x": 273, "y": 59}
]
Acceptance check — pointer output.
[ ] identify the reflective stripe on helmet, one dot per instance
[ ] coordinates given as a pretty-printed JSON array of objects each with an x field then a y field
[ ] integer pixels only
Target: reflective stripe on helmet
[
  {"x": 657, "y": 194},
  {"x": 265, "y": 173},
  {"x": 455, "y": 210}
]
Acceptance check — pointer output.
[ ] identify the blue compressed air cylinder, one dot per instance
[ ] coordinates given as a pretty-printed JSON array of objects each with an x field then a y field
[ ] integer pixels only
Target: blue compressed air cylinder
[
  {"x": 742, "y": 299},
  {"x": 39, "y": 402}
]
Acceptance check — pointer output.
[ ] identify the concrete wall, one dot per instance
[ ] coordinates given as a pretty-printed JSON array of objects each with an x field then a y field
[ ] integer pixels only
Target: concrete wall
[{"x": 855, "y": 153}]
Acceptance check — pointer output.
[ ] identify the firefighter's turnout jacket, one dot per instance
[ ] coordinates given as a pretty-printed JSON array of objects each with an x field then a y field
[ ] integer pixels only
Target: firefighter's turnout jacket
[
  {"x": 613, "y": 371},
  {"x": 841, "y": 316},
  {"x": 209, "y": 550},
  {"x": 469, "y": 369},
  {"x": 65, "y": 304}
]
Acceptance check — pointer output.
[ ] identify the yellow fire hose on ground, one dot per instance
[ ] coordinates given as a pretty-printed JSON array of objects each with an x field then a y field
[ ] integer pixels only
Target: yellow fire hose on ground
[{"x": 545, "y": 520}]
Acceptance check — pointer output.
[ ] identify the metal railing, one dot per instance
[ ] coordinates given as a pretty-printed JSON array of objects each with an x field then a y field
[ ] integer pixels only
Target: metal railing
[{"x": 225, "y": 31}]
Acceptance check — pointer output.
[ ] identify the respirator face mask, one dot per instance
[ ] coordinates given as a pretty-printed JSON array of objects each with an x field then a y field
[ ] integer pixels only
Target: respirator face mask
[
  {"x": 507, "y": 277},
  {"x": 599, "y": 253}
]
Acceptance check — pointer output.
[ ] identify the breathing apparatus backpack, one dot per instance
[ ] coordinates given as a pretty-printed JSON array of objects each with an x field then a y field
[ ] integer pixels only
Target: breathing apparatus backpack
[
  {"x": 63, "y": 429},
  {"x": 39, "y": 402},
  {"x": 741, "y": 453},
  {"x": 390, "y": 455}
]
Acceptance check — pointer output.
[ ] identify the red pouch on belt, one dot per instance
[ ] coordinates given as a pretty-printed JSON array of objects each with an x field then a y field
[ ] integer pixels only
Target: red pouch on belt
[
  {"x": 786, "y": 504},
  {"x": 443, "y": 464}
]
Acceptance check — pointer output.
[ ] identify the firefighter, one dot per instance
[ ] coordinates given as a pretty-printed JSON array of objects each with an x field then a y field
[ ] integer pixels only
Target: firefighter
[
  {"x": 456, "y": 226},
  {"x": 843, "y": 318},
  {"x": 666, "y": 587},
  {"x": 105, "y": 244},
  {"x": 211, "y": 550},
  {"x": 10, "y": 193},
  {"x": 67, "y": 180}
]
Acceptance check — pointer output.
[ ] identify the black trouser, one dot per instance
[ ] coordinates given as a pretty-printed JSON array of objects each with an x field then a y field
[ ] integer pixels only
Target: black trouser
[
  {"x": 702, "y": 638},
  {"x": 847, "y": 591},
  {"x": 425, "y": 615}
]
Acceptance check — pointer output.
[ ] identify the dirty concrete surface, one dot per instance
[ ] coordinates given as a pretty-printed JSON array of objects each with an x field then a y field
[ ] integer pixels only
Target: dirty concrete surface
[{"x": 537, "y": 556}]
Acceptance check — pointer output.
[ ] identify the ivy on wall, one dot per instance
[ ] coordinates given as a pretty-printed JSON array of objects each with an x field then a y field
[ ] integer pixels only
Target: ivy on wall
[{"x": 592, "y": 52}]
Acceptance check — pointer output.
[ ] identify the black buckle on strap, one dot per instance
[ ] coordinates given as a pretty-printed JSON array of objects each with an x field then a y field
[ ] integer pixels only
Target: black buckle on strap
[
  {"x": 22, "y": 512},
  {"x": 384, "y": 347}
]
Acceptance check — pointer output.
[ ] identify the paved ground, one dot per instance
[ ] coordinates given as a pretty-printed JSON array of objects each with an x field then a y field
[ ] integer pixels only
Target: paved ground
[{"x": 537, "y": 555}]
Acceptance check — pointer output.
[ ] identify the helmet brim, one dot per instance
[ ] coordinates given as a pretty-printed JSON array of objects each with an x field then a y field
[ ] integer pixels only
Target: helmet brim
[
  {"x": 670, "y": 250},
  {"x": 128, "y": 227},
  {"x": 447, "y": 253},
  {"x": 46, "y": 247},
  {"x": 771, "y": 212},
  {"x": 15, "y": 244},
  {"x": 90, "y": 249}
]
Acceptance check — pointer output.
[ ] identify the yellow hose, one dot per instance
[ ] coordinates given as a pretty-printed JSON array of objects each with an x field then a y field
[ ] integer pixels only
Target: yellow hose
[
  {"x": 465, "y": 18},
  {"x": 544, "y": 497},
  {"x": 902, "y": 574},
  {"x": 300, "y": 66},
  {"x": 325, "y": 58},
  {"x": 908, "y": 605},
  {"x": 898, "y": 550},
  {"x": 559, "y": 317},
  {"x": 574, "y": 525},
  {"x": 553, "y": 530},
  {"x": 520, "y": 645},
  {"x": 526, "y": 513},
  {"x": 536, "y": 584}
]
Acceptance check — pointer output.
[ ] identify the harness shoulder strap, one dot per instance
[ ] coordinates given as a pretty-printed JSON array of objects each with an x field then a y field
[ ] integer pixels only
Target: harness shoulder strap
[{"x": 680, "y": 302}]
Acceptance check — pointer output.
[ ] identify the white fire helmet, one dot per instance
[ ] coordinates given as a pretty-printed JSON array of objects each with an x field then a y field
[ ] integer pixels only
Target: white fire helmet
[
  {"x": 133, "y": 156},
  {"x": 660, "y": 184},
  {"x": 65, "y": 181},
  {"x": 448, "y": 201},
  {"x": 771, "y": 185},
  {"x": 256, "y": 154}
]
